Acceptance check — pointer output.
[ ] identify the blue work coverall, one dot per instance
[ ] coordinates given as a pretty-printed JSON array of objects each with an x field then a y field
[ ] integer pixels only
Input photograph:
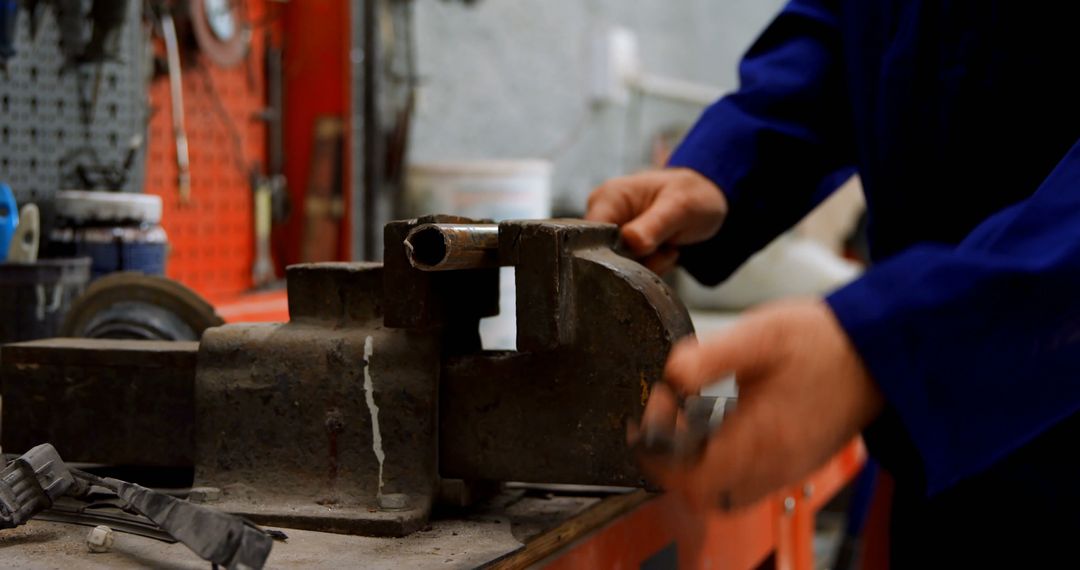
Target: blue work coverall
[{"x": 962, "y": 119}]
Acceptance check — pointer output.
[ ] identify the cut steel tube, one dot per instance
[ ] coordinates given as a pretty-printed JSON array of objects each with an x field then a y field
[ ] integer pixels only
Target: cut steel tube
[{"x": 449, "y": 247}]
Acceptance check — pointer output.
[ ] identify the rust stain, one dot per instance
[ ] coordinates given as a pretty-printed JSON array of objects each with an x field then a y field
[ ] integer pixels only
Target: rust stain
[
  {"x": 335, "y": 424},
  {"x": 333, "y": 456}
]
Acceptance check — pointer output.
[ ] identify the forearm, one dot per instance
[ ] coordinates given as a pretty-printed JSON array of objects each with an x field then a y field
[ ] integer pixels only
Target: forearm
[{"x": 976, "y": 346}]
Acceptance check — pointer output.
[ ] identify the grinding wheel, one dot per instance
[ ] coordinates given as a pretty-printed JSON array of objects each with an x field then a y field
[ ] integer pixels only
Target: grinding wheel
[{"x": 140, "y": 307}]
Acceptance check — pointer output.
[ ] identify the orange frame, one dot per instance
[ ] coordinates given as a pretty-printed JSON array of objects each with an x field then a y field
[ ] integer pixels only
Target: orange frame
[{"x": 782, "y": 525}]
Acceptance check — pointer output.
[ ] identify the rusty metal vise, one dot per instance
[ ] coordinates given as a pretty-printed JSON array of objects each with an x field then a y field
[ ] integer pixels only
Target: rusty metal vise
[{"x": 349, "y": 417}]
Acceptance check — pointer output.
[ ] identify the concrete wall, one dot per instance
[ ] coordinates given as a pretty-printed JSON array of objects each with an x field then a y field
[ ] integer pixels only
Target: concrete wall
[{"x": 509, "y": 79}]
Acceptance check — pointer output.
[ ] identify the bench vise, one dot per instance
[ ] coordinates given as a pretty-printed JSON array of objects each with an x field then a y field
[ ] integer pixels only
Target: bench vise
[{"x": 349, "y": 417}]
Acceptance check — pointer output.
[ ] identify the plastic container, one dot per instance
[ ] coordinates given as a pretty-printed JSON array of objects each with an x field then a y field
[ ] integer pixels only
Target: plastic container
[
  {"x": 494, "y": 189},
  {"x": 35, "y": 297},
  {"x": 485, "y": 189},
  {"x": 118, "y": 231}
]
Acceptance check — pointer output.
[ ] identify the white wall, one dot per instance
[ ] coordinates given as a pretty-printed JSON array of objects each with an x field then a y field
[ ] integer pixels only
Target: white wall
[{"x": 509, "y": 79}]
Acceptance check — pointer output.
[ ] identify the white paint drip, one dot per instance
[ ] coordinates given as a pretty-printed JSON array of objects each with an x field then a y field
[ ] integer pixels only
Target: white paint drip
[
  {"x": 369, "y": 394},
  {"x": 53, "y": 305},
  {"x": 40, "y": 309}
]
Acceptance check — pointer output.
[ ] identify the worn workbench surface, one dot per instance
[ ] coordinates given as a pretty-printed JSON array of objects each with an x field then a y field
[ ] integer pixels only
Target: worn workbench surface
[{"x": 463, "y": 540}]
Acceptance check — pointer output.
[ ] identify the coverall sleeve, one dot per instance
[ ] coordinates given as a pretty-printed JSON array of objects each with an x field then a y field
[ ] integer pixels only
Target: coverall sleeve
[
  {"x": 780, "y": 144},
  {"x": 976, "y": 347}
]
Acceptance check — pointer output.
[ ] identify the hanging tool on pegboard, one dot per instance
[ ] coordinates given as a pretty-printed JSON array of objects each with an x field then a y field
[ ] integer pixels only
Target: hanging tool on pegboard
[
  {"x": 89, "y": 172},
  {"x": 271, "y": 194},
  {"x": 107, "y": 19},
  {"x": 9, "y": 19},
  {"x": 222, "y": 33},
  {"x": 275, "y": 129},
  {"x": 71, "y": 17},
  {"x": 36, "y": 11},
  {"x": 324, "y": 207},
  {"x": 176, "y": 94}
]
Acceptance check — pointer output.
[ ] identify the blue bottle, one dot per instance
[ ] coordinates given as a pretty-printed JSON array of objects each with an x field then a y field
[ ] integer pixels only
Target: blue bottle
[{"x": 9, "y": 218}]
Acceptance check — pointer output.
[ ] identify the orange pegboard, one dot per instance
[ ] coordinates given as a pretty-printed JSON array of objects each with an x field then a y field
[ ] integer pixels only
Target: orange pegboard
[{"x": 212, "y": 237}]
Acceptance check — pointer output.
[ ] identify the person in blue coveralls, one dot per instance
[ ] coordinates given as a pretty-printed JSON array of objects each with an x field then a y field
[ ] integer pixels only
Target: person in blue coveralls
[{"x": 957, "y": 355}]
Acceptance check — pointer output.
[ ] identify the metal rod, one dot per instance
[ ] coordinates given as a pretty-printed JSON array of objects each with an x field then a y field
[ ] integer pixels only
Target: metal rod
[
  {"x": 176, "y": 93},
  {"x": 372, "y": 145},
  {"x": 676, "y": 89},
  {"x": 449, "y": 247}
]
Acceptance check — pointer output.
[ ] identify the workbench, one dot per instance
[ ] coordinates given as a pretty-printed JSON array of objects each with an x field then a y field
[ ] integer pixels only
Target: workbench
[{"x": 554, "y": 527}]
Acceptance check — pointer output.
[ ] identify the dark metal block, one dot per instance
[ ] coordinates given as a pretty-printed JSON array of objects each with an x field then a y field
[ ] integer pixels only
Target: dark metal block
[{"x": 120, "y": 402}]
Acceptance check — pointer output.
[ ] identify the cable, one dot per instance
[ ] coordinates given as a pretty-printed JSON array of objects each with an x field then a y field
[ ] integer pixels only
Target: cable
[{"x": 239, "y": 158}]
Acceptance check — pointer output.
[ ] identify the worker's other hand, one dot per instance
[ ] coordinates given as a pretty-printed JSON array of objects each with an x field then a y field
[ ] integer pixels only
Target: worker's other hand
[
  {"x": 804, "y": 393},
  {"x": 660, "y": 210}
]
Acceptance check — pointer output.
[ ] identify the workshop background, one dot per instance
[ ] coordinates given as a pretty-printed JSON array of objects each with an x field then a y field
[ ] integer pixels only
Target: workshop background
[
  {"x": 501, "y": 81},
  {"x": 163, "y": 161}
]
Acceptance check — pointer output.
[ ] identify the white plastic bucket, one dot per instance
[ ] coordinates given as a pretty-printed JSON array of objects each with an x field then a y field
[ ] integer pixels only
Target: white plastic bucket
[
  {"x": 495, "y": 189},
  {"x": 484, "y": 189}
]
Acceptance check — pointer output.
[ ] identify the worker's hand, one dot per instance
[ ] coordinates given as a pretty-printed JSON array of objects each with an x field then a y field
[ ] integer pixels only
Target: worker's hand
[
  {"x": 660, "y": 210},
  {"x": 803, "y": 394}
]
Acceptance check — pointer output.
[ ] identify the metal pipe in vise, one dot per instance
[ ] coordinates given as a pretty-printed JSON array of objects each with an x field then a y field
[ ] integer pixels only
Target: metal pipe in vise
[{"x": 449, "y": 247}]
